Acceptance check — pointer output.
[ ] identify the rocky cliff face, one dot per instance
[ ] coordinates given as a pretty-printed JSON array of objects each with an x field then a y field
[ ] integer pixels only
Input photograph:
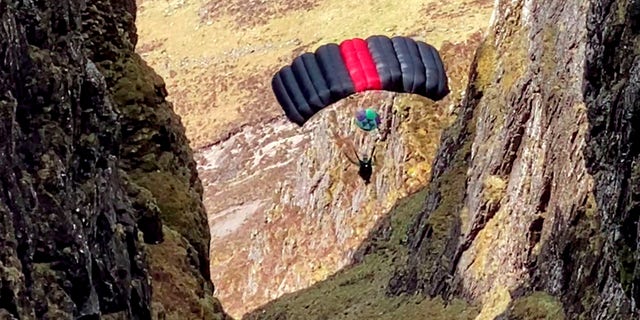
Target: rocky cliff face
[
  {"x": 531, "y": 211},
  {"x": 302, "y": 201},
  {"x": 89, "y": 153},
  {"x": 306, "y": 213},
  {"x": 533, "y": 188},
  {"x": 218, "y": 58}
]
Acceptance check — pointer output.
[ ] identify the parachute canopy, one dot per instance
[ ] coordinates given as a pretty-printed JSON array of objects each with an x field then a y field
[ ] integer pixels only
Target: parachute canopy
[{"x": 333, "y": 72}]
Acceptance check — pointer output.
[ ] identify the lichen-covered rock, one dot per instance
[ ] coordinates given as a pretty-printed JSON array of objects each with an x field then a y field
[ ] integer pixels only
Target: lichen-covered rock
[
  {"x": 155, "y": 153},
  {"x": 69, "y": 237},
  {"x": 87, "y": 143},
  {"x": 533, "y": 187},
  {"x": 155, "y": 150},
  {"x": 531, "y": 212},
  {"x": 178, "y": 291}
]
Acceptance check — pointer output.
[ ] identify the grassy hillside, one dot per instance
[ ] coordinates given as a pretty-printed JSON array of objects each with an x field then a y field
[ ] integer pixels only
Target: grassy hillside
[
  {"x": 218, "y": 57},
  {"x": 359, "y": 292}
]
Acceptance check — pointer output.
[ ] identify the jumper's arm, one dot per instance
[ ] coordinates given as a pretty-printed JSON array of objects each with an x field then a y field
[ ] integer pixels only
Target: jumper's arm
[{"x": 350, "y": 159}]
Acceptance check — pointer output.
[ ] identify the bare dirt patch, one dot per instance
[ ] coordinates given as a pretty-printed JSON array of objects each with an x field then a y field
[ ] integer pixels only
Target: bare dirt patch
[
  {"x": 248, "y": 13},
  {"x": 150, "y": 46}
]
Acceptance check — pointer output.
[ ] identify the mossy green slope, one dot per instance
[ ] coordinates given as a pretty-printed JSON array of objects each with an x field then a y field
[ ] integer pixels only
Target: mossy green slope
[
  {"x": 359, "y": 291},
  {"x": 158, "y": 165}
]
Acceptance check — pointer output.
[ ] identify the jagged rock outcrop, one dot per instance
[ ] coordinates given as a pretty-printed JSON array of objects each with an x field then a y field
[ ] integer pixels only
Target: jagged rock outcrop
[
  {"x": 70, "y": 238},
  {"x": 295, "y": 191},
  {"x": 531, "y": 212},
  {"x": 155, "y": 151},
  {"x": 94, "y": 164},
  {"x": 307, "y": 214},
  {"x": 534, "y": 188}
]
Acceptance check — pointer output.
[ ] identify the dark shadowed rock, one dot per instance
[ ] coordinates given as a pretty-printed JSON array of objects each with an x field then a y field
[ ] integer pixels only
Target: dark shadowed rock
[
  {"x": 534, "y": 190},
  {"x": 70, "y": 241},
  {"x": 155, "y": 151},
  {"x": 87, "y": 141}
]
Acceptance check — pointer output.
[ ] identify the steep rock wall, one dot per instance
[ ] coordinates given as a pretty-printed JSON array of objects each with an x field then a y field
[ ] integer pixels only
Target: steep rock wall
[
  {"x": 70, "y": 239},
  {"x": 91, "y": 155},
  {"x": 155, "y": 151},
  {"x": 533, "y": 187},
  {"x": 157, "y": 157},
  {"x": 294, "y": 191},
  {"x": 301, "y": 198}
]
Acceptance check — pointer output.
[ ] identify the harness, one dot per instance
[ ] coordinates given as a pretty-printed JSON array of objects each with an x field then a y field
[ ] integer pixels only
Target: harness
[{"x": 366, "y": 169}]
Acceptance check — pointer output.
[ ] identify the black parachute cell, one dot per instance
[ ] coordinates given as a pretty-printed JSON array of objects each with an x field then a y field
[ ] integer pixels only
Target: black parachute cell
[
  {"x": 289, "y": 107},
  {"x": 419, "y": 76},
  {"x": 334, "y": 71},
  {"x": 437, "y": 83},
  {"x": 432, "y": 78},
  {"x": 413, "y": 70},
  {"x": 387, "y": 63},
  {"x": 306, "y": 83},
  {"x": 443, "y": 81},
  {"x": 295, "y": 93},
  {"x": 406, "y": 63},
  {"x": 315, "y": 74}
]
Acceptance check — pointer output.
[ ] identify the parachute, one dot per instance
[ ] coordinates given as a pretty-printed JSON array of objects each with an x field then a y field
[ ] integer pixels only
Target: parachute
[{"x": 316, "y": 80}]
